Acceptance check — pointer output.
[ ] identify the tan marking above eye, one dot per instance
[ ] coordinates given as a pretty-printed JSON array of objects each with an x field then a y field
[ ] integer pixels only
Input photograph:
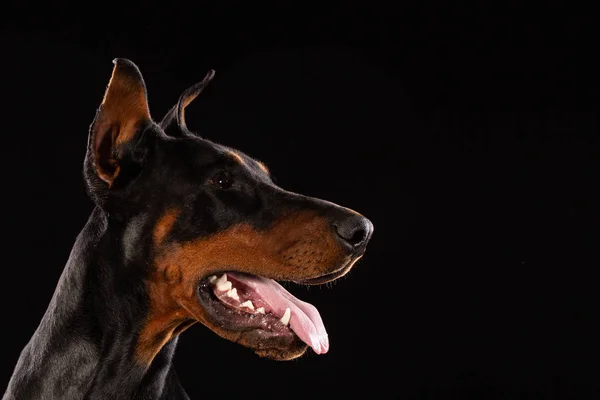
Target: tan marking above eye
[
  {"x": 263, "y": 167},
  {"x": 237, "y": 157}
]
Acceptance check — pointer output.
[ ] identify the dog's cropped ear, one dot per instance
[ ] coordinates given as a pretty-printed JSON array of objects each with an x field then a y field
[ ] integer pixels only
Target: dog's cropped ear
[
  {"x": 122, "y": 115},
  {"x": 173, "y": 124}
]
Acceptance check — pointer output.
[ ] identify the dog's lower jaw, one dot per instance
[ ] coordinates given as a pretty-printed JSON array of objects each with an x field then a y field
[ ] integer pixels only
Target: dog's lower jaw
[{"x": 288, "y": 348}]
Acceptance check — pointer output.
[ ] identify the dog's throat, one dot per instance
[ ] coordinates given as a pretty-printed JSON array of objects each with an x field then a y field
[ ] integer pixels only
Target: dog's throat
[{"x": 257, "y": 297}]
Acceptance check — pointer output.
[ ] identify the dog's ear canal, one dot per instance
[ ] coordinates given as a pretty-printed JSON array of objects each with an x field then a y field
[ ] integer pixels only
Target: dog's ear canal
[
  {"x": 173, "y": 124},
  {"x": 122, "y": 115}
]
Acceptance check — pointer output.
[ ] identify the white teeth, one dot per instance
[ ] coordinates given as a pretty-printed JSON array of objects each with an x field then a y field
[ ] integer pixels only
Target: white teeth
[
  {"x": 248, "y": 304},
  {"x": 223, "y": 284},
  {"x": 232, "y": 293},
  {"x": 286, "y": 317},
  {"x": 212, "y": 279},
  {"x": 260, "y": 310}
]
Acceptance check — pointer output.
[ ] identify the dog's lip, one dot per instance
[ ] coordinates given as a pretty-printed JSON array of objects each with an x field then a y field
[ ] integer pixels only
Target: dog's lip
[
  {"x": 330, "y": 277},
  {"x": 323, "y": 278},
  {"x": 318, "y": 280}
]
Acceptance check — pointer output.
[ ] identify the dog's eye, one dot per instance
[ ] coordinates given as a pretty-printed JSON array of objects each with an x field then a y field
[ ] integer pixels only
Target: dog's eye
[{"x": 221, "y": 179}]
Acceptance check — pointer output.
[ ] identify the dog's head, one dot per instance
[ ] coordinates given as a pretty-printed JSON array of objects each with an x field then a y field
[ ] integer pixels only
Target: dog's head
[{"x": 209, "y": 230}]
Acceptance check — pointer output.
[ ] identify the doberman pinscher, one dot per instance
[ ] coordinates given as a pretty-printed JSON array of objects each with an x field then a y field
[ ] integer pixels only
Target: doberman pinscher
[{"x": 183, "y": 230}]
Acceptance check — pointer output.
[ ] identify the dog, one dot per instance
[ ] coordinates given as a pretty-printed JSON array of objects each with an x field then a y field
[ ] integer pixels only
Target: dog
[{"x": 183, "y": 230}]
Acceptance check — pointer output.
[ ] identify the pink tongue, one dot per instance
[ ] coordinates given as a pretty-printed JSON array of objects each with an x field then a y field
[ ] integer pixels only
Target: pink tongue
[{"x": 305, "y": 320}]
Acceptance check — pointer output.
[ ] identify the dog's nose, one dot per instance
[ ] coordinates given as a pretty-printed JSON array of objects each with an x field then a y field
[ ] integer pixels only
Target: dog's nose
[{"x": 355, "y": 230}]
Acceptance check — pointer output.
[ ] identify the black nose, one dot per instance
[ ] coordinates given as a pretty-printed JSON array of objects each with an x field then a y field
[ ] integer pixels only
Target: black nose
[{"x": 355, "y": 230}]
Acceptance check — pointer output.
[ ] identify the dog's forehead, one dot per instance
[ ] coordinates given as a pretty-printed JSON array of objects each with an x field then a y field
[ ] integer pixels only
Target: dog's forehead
[{"x": 205, "y": 152}]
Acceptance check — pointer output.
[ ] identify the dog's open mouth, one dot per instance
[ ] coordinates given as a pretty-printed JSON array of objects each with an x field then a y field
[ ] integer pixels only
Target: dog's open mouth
[{"x": 245, "y": 302}]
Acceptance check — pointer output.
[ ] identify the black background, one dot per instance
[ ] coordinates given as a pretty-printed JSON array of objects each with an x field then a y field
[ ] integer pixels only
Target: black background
[{"x": 467, "y": 134}]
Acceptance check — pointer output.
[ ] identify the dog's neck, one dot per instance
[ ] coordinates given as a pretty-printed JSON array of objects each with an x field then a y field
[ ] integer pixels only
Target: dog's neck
[{"x": 77, "y": 352}]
